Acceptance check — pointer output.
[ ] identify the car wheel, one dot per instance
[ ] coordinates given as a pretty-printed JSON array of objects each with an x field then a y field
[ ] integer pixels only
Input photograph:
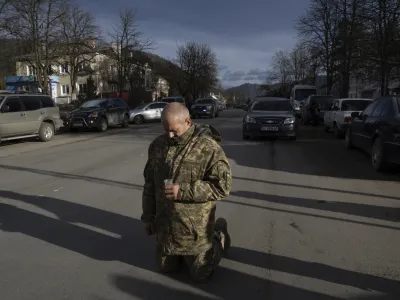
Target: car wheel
[
  {"x": 103, "y": 125},
  {"x": 293, "y": 138},
  {"x": 139, "y": 119},
  {"x": 46, "y": 132},
  {"x": 377, "y": 155},
  {"x": 126, "y": 121},
  {"x": 347, "y": 140},
  {"x": 245, "y": 137},
  {"x": 326, "y": 128}
]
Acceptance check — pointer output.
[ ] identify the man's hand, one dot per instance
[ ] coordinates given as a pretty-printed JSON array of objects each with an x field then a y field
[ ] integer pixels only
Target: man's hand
[
  {"x": 149, "y": 228},
  {"x": 171, "y": 191}
]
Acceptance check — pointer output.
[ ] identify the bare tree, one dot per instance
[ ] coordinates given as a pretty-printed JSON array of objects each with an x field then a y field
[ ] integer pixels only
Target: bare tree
[
  {"x": 318, "y": 29},
  {"x": 280, "y": 69},
  {"x": 35, "y": 24},
  {"x": 127, "y": 41},
  {"x": 200, "y": 70},
  {"x": 382, "y": 41},
  {"x": 79, "y": 38}
]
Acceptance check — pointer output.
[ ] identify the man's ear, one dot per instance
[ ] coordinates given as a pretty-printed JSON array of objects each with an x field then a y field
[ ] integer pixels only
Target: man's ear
[{"x": 188, "y": 121}]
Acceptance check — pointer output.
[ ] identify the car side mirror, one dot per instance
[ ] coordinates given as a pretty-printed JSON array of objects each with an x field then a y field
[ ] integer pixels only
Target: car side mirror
[{"x": 5, "y": 109}]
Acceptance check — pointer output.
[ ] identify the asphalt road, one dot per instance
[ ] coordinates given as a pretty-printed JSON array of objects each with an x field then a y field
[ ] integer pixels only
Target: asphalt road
[{"x": 308, "y": 220}]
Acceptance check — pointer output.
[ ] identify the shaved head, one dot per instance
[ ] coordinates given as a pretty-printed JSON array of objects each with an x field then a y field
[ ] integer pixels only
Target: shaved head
[
  {"x": 175, "y": 111},
  {"x": 175, "y": 119}
]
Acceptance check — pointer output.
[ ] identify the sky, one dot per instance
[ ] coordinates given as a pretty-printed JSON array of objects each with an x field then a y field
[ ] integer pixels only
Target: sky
[{"x": 244, "y": 34}]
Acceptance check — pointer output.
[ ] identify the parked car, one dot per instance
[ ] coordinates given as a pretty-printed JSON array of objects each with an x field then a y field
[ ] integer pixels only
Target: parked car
[
  {"x": 25, "y": 115},
  {"x": 339, "y": 114},
  {"x": 270, "y": 117},
  {"x": 146, "y": 112},
  {"x": 220, "y": 106},
  {"x": 174, "y": 99},
  {"x": 98, "y": 114},
  {"x": 377, "y": 131},
  {"x": 206, "y": 107},
  {"x": 314, "y": 109}
]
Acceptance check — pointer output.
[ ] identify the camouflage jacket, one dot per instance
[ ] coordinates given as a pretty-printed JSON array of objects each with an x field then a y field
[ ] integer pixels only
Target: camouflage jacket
[{"x": 198, "y": 164}]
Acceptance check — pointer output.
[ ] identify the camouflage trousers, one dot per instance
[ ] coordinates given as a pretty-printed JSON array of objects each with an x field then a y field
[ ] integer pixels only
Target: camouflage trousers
[{"x": 201, "y": 266}]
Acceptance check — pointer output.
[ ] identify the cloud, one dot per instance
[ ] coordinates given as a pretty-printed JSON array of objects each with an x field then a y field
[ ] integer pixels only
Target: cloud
[
  {"x": 233, "y": 76},
  {"x": 244, "y": 36}
]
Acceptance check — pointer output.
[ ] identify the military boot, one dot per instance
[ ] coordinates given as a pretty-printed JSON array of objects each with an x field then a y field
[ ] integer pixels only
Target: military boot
[{"x": 221, "y": 230}]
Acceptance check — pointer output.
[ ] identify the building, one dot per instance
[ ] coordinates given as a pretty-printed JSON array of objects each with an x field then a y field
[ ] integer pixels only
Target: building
[{"x": 102, "y": 68}]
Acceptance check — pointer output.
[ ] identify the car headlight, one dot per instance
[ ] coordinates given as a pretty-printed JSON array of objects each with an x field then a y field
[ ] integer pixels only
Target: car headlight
[
  {"x": 93, "y": 115},
  {"x": 248, "y": 119},
  {"x": 290, "y": 120}
]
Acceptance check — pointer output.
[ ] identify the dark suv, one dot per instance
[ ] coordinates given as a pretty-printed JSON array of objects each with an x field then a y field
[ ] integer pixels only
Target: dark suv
[
  {"x": 377, "y": 131},
  {"x": 98, "y": 114},
  {"x": 205, "y": 107},
  {"x": 28, "y": 115}
]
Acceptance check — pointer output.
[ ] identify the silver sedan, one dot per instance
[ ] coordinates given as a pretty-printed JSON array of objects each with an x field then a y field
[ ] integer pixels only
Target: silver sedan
[{"x": 146, "y": 112}]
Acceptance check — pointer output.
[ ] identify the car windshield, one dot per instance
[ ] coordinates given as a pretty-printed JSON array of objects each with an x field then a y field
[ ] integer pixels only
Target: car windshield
[
  {"x": 355, "y": 105},
  {"x": 1, "y": 98},
  {"x": 94, "y": 103},
  {"x": 302, "y": 94},
  {"x": 272, "y": 106},
  {"x": 141, "y": 106},
  {"x": 169, "y": 100},
  {"x": 324, "y": 102},
  {"x": 204, "y": 101}
]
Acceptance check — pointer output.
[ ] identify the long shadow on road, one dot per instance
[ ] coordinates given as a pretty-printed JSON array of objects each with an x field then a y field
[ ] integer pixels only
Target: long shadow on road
[
  {"x": 74, "y": 177},
  {"x": 133, "y": 247},
  {"x": 356, "y": 209},
  {"x": 315, "y": 270}
]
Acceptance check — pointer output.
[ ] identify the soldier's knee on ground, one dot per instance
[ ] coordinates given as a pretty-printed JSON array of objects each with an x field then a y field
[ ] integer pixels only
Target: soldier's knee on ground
[
  {"x": 201, "y": 274},
  {"x": 168, "y": 263},
  {"x": 203, "y": 265}
]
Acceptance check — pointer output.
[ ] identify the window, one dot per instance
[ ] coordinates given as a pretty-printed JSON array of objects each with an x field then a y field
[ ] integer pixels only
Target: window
[
  {"x": 281, "y": 105},
  {"x": 46, "y": 101},
  {"x": 302, "y": 94},
  {"x": 388, "y": 110},
  {"x": 14, "y": 104},
  {"x": 65, "y": 89},
  {"x": 64, "y": 68},
  {"x": 159, "y": 105},
  {"x": 152, "y": 106},
  {"x": 83, "y": 88},
  {"x": 31, "y": 71},
  {"x": 121, "y": 102},
  {"x": 335, "y": 105},
  {"x": 31, "y": 103},
  {"x": 204, "y": 101},
  {"x": 355, "y": 105},
  {"x": 95, "y": 103},
  {"x": 370, "y": 108},
  {"x": 380, "y": 107},
  {"x": 115, "y": 103},
  {"x": 322, "y": 101}
]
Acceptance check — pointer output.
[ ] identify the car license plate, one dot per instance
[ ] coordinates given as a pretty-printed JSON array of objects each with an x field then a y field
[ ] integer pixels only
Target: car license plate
[
  {"x": 270, "y": 128},
  {"x": 77, "y": 125}
]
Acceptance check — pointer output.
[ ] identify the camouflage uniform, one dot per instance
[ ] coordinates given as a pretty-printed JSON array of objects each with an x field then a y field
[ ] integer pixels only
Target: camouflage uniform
[{"x": 185, "y": 229}]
